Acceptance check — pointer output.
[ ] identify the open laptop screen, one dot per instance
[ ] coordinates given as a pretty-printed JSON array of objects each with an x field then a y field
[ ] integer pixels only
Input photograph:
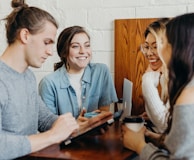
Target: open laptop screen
[{"x": 127, "y": 97}]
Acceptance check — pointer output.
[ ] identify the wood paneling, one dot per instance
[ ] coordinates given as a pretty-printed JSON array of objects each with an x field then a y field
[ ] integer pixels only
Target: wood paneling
[{"x": 130, "y": 63}]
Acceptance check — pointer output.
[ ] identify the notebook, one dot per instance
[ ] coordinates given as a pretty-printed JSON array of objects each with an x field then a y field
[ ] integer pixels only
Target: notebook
[{"x": 127, "y": 97}]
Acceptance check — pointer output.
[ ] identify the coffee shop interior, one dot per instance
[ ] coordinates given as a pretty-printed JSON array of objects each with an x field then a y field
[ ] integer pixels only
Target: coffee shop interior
[{"x": 116, "y": 30}]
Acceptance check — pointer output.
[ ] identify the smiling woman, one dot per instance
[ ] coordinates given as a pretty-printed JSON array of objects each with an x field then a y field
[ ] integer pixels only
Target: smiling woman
[
  {"x": 177, "y": 139},
  {"x": 149, "y": 49},
  {"x": 154, "y": 81},
  {"x": 77, "y": 85}
]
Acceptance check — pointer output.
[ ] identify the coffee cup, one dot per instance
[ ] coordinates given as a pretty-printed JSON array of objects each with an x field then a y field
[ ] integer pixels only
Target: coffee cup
[{"x": 134, "y": 123}]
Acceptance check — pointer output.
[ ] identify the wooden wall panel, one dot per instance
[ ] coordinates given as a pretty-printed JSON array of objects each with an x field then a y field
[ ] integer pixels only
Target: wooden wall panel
[{"x": 130, "y": 63}]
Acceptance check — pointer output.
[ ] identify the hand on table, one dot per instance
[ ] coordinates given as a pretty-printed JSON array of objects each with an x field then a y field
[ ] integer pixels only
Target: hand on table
[
  {"x": 152, "y": 135},
  {"x": 144, "y": 116},
  {"x": 85, "y": 122},
  {"x": 63, "y": 127}
]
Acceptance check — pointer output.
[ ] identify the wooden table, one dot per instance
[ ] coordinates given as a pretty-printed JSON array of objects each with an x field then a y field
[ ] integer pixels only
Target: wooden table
[{"x": 106, "y": 146}]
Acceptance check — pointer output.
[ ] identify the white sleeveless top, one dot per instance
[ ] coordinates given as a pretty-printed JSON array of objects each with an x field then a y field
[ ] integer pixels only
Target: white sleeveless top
[{"x": 75, "y": 81}]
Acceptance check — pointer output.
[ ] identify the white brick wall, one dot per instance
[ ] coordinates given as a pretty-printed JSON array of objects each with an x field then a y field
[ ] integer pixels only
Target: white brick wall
[{"x": 97, "y": 16}]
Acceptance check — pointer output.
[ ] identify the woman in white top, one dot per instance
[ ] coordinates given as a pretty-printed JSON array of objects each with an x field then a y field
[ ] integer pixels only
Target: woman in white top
[
  {"x": 177, "y": 52},
  {"x": 154, "y": 81}
]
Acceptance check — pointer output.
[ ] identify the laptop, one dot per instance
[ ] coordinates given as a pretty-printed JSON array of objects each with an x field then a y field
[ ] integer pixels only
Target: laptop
[{"x": 127, "y": 97}]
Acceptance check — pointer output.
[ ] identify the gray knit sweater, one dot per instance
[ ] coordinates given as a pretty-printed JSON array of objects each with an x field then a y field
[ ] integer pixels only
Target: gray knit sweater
[
  {"x": 180, "y": 140},
  {"x": 22, "y": 112}
]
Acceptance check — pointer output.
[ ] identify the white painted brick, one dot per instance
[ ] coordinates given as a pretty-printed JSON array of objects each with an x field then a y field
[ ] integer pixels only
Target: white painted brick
[
  {"x": 167, "y": 11},
  {"x": 3, "y": 41},
  {"x": 191, "y": 8},
  {"x": 5, "y": 7},
  {"x": 122, "y": 3},
  {"x": 69, "y": 17},
  {"x": 66, "y": 4},
  {"x": 40, "y": 75},
  {"x": 103, "y": 18},
  {"x": 169, "y": 2},
  {"x": 102, "y": 40},
  {"x": 97, "y": 16},
  {"x": 104, "y": 57}
]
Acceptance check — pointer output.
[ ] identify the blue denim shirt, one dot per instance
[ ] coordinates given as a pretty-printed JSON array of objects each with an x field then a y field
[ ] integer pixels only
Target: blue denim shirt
[{"x": 97, "y": 90}]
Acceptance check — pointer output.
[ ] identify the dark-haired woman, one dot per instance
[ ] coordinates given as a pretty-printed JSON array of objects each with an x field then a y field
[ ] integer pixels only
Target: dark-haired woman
[
  {"x": 177, "y": 51},
  {"x": 77, "y": 84}
]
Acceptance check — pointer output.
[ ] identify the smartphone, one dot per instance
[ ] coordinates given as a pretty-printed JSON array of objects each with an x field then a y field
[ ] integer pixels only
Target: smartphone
[{"x": 91, "y": 114}]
